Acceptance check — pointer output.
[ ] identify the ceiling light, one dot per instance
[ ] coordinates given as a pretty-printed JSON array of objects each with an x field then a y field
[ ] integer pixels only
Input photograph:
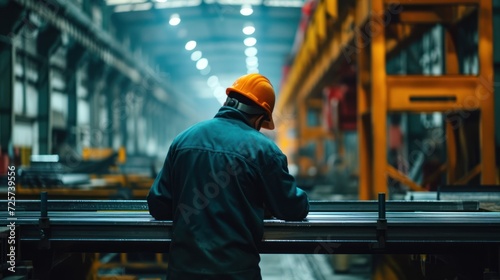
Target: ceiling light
[
  {"x": 212, "y": 81},
  {"x": 202, "y": 64},
  {"x": 120, "y": 2},
  {"x": 246, "y": 10},
  {"x": 170, "y": 4},
  {"x": 281, "y": 3},
  {"x": 254, "y": 65},
  {"x": 174, "y": 19},
  {"x": 143, "y": 6},
  {"x": 196, "y": 55},
  {"x": 220, "y": 94},
  {"x": 205, "y": 71},
  {"x": 252, "y": 61},
  {"x": 123, "y": 8},
  {"x": 248, "y": 30},
  {"x": 250, "y": 41},
  {"x": 190, "y": 45},
  {"x": 252, "y": 51},
  {"x": 252, "y": 70}
]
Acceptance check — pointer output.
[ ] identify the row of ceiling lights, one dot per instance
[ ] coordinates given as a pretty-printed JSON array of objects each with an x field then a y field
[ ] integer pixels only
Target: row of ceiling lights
[
  {"x": 252, "y": 61},
  {"x": 202, "y": 63}
]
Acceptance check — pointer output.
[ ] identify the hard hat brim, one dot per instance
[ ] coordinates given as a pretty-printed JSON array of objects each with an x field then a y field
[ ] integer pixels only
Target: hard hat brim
[{"x": 268, "y": 124}]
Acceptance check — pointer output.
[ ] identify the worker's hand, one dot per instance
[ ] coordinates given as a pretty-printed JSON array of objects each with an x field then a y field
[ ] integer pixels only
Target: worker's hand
[{"x": 267, "y": 214}]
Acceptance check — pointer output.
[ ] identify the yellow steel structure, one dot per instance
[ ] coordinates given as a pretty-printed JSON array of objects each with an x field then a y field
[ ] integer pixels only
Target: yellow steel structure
[
  {"x": 89, "y": 153},
  {"x": 374, "y": 38},
  {"x": 159, "y": 263}
]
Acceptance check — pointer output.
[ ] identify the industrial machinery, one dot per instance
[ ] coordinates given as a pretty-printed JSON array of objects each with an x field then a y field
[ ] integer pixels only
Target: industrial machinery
[
  {"x": 415, "y": 58},
  {"x": 96, "y": 174},
  {"x": 50, "y": 231}
]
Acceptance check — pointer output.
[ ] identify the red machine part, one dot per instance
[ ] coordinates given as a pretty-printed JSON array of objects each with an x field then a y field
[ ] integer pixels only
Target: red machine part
[{"x": 340, "y": 107}]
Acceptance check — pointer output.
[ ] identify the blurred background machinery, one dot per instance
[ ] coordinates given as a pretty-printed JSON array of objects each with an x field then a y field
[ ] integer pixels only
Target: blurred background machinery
[
  {"x": 413, "y": 80},
  {"x": 374, "y": 96}
]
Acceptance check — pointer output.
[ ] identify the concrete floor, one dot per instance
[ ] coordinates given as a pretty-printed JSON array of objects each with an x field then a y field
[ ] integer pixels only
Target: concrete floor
[
  {"x": 314, "y": 267},
  {"x": 317, "y": 267}
]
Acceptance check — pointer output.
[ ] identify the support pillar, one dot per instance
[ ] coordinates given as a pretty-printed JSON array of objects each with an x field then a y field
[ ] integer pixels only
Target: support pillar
[
  {"x": 74, "y": 59},
  {"x": 10, "y": 13},
  {"x": 97, "y": 75},
  {"x": 7, "y": 59},
  {"x": 124, "y": 112},
  {"x": 112, "y": 96},
  {"x": 47, "y": 43}
]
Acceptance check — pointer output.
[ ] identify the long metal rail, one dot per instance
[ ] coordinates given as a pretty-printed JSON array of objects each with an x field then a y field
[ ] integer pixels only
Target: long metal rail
[
  {"x": 315, "y": 205},
  {"x": 110, "y": 228},
  {"x": 321, "y": 232}
]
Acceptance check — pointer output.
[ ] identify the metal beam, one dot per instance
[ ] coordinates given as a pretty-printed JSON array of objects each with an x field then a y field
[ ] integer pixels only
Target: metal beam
[
  {"x": 7, "y": 60},
  {"x": 68, "y": 18},
  {"x": 74, "y": 58},
  {"x": 125, "y": 86},
  {"x": 135, "y": 119},
  {"x": 112, "y": 95},
  {"x": 320, "y": 233},
  {"x": 10, "y": 15},
  {"x": 315, "y": 205},
  {"x": 81, "y": 28},
  {"x": 98, "y": 74},
  {"x": 47, "y": 43},
  {"x": 119, "y": 105}
]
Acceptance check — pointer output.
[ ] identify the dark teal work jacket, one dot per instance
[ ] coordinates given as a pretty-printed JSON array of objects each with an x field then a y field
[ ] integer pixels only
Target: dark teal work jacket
[{"x": 218, "y": 177}]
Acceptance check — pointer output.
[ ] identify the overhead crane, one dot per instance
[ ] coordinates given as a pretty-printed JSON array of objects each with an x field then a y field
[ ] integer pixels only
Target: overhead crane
[{"x": 366, "y": 34}]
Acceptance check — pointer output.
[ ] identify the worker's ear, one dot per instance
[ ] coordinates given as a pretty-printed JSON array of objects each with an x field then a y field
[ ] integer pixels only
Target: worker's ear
[{"x": 258, "y": 122}]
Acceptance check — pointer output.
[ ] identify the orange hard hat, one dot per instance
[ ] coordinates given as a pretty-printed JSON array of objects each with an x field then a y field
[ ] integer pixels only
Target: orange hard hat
[{"x": 259, "y": 89}]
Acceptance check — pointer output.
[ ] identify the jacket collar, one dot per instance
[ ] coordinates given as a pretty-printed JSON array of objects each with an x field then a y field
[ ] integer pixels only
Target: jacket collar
[{"x": 227, "y": 112}]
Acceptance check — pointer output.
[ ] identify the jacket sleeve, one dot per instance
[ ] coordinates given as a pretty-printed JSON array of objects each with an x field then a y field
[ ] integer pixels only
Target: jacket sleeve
[
  {"x": 160, "y": 196},
  {"x": 283, "y": 198}
]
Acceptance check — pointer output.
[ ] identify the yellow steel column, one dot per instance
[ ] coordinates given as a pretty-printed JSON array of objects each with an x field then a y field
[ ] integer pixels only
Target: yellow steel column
[
  {"x": 363, "y": 122},
  {"x": 301, "y": 131},
  {"x": 379, "y": 98},
  {"x": 452, "y": 68},
  {"x": 485, "y": 92}
]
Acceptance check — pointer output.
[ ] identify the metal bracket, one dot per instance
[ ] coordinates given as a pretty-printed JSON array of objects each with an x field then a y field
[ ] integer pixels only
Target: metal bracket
[
  {"x": 44, "y": 223},
  {"x": 381, "y": 224}
]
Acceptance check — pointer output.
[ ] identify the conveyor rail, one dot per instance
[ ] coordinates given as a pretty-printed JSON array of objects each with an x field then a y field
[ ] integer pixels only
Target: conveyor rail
[
  {"x": 316, "y": 205},
  {"x": 126, "y": 226}
]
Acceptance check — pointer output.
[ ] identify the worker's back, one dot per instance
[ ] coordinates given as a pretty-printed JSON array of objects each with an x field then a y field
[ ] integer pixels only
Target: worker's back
[{"x": 220, "y": 173}]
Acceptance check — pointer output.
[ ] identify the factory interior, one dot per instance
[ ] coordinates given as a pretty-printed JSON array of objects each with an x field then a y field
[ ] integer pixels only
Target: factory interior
[{"x": 385, "y": 110}]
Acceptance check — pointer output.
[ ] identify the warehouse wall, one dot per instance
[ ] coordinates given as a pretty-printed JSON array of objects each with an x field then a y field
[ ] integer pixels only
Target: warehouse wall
[{"x": 67, "y": 95}]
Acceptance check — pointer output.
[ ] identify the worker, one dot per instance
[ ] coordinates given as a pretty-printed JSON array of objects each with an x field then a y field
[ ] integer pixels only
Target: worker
[{"x": 219, "y": 178}]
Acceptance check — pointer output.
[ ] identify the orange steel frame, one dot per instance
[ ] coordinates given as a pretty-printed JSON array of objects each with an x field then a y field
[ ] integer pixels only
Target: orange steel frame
[{"x": 329, "y": 42}]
